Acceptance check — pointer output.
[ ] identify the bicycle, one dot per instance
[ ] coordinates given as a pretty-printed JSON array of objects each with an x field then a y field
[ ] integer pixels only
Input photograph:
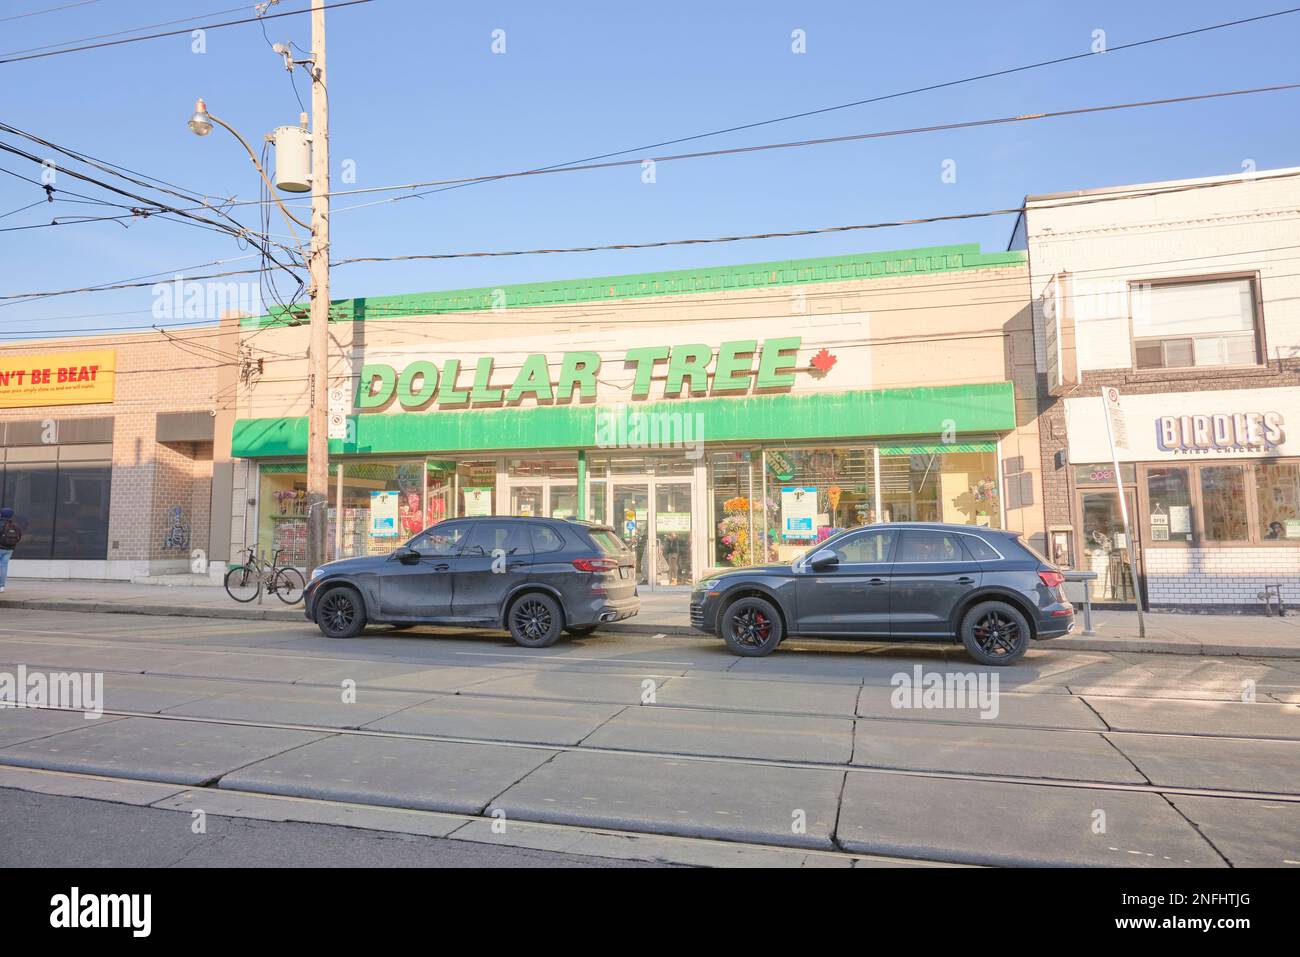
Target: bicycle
[{"x": 245, "y": 582}]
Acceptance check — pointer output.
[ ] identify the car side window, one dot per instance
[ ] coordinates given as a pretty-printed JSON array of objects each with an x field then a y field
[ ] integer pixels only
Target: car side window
[
  {"x": 440, "y": 541},
  {"x": 545, "y": 539},
  {"x": 980, "y": 550},
  {"x": 864, "y": 548},
  {"x": 930, "y": 546},
  {"x": 487, "y": 537}
]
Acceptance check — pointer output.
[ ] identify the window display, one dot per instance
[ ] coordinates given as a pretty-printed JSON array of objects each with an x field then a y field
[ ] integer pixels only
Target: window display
[
  {"x": 1169, "y": 494},
  {"x": 1223, "y": 500},
  {"x": 1277, "y": 491}
]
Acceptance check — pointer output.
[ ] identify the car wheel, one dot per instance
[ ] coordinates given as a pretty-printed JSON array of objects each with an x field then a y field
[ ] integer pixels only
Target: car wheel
[
  {"x": 535, "y": 620},
  {"x": 340, "y": 613},
  {"x": 994, "y": 633},
  {"x": 578, "y": 631},
  {"x": 751, "y": 627}
]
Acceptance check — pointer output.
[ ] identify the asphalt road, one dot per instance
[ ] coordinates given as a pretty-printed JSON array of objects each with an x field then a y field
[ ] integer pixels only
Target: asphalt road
[{"x": 644, "y": 748}]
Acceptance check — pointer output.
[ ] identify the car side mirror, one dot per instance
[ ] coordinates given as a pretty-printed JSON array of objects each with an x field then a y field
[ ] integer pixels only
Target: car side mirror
[
  {"x": 406, "y": 555},
  {"x": 823, "y": 560}
]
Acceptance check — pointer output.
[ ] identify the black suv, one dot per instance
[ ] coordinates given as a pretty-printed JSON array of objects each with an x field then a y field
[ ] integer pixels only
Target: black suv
[
  {"x": 536, "y": 577},
  {"x": 900, "y": 581}
]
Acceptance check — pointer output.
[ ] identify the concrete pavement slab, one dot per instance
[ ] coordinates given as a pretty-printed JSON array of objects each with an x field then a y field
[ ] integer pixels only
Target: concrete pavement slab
[
  {"x": 1229, "y": 764},
  {"x": 783, "y": 697},
  {"x": 977, "y": 749},
  {"x": 771, "y": 737},
  {"x": 140, "y": 793},
  {"x": 626, "y": 689},
  {"x": 985, "y": 822},
  {"x": 150, "y": 749},
  {"x": 1013, "y": 710},
  {"x": 1247, "y": 833},
  {"x": 395, "y": 772},
  {"x": 449, "y": 679},
  {"x": 153, "y": 693},
  {"x": 264, "y": 808},
  {"x": 1257, "y": 720},
  {"x": 691, "y": 798},
  {"x": 300, "y": 704},
  {"x": 644, "y": 847},
  {"x": 532, "y": 721},
  {"x": 26, "y": 724}
]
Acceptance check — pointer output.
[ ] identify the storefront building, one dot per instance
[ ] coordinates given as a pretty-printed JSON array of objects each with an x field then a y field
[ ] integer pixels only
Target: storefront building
[
  {"x": 1185, "y": 297},
  {"x": 713, "y": 417},
  {"x": 107, "y": 454}
]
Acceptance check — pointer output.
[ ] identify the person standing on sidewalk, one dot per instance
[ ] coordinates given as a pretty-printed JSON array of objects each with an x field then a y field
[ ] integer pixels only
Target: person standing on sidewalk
[{"x": 10, "y": 536}]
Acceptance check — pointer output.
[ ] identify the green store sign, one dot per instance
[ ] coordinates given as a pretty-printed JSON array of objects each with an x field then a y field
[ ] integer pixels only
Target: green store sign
[{"x": 421, "y": 383}]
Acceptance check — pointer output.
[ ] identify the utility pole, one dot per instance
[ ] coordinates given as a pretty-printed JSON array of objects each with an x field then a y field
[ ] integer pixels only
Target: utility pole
[{"x": 318, "y": 267}]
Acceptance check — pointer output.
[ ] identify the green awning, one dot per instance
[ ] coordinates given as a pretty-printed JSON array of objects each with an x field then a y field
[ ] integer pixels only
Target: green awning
[{"x": 938, "y": 449}]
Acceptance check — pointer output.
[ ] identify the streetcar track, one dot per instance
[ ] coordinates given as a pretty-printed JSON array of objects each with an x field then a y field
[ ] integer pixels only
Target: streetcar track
[{"x": 1028, "y": 781}]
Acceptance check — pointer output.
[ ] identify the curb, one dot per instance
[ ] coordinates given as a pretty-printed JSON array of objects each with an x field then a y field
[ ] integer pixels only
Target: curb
[{"x": 294, "y": 614}]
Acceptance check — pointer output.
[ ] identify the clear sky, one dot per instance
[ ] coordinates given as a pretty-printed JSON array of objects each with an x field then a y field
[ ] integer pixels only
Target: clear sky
[{"x": 417, "y": 94}]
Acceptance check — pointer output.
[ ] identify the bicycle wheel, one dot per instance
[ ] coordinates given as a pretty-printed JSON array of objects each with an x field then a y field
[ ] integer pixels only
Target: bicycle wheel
[
  {"x": 288, "y": 585},
  {"x": 243, "y": 582}
]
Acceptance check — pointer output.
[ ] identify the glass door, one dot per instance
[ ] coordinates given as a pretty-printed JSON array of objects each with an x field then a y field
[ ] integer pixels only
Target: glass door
[
  {"x": 631, "y": 502},
  {"x": 672, "y": 525},
  {"x": 1104, "y": 547}
]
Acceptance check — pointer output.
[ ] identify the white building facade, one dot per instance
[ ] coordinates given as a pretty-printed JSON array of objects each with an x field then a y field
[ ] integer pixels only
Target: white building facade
[{"x": 1185, "y": 297}]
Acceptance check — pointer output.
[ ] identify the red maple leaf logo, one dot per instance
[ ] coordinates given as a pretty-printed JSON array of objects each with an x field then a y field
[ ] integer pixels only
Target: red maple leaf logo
[{"x": 822, "y": 363}]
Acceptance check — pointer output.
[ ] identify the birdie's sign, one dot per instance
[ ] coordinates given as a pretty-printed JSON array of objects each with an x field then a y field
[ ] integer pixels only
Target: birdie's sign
[{"x": 692, "y": 369}]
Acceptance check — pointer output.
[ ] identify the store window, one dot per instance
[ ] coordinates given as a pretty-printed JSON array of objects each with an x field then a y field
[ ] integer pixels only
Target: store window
[
  {"x": 60, "y": 497},
  {"x": 1277, "y": 492},
  {"x": 738, "y": 521},
  {"x": 476, "y": 484},
  {"x": 1179, "y": 325},
  {"x": 1169, "y": 508},
  {"x": 816, "y": 492},
  {"x": 934, "y": 483},
  {"x": 1223, "y": 503}
]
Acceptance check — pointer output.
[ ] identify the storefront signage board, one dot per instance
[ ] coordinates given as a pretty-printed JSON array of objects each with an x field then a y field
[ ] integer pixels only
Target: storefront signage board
[{"x": 57, "y": 378}]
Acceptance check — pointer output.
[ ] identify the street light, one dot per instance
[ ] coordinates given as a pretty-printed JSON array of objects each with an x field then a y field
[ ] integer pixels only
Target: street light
[{"x": 200, "y": 122}]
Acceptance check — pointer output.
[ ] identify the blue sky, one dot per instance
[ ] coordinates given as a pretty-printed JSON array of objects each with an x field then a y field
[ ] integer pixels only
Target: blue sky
[{"x": 417, "y": 94}]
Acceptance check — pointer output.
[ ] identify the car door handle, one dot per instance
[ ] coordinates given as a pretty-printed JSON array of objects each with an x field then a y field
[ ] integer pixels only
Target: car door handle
[
  {"x": 876, "y": 581},
  {"x": 441, "y": 568},
  {"x": 517, "y": 564},
  {"x": 965, "y": 580}
]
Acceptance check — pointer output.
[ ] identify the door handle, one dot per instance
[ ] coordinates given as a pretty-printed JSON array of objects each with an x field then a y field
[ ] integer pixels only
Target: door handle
[
  {"x": 876, "y": 581},
  {"x": 965, "y": 580},
  {"x": 441, "y": 568}
]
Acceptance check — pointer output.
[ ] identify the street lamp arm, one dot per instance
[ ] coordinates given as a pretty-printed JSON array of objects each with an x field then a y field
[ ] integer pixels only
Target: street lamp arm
[{"x": 266, "y": 179}]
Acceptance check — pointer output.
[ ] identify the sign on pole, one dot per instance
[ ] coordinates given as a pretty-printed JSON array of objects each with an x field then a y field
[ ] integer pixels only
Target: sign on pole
[
  {"x": 1117, "y": 435},
  {"x": 1115, "y": 417},
  {"x": 338, "y": 413}
]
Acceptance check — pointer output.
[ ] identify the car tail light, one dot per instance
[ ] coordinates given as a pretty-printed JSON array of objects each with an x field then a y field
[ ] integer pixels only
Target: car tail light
[
  {"x": 1051, "y": 579},
  {"x": 596, "y": 564}
]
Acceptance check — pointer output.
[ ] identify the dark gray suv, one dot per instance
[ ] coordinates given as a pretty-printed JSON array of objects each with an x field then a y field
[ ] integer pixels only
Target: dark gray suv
[
  {"x": 536, "y": 577},
  {"x": 901, "y": 581}
]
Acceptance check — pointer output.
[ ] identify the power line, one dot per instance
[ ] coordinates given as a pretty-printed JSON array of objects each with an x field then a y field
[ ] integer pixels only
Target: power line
[
  {"x": 118, "y": 33},
  {"x": 820, "y": 141},
  {"x": 37, "y": 13},
  {"x": 950, "y": 217},
  {"x": 172, "y": 33}
]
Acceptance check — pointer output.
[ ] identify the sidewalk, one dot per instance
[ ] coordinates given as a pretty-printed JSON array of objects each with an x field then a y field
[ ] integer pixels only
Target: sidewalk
[{"x": 667, "y": 613}]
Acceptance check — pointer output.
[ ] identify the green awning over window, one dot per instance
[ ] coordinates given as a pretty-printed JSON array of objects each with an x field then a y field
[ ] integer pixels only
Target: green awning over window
[
  {"x": 987, "y": 407},
  {"x": 938, "y": 449}
]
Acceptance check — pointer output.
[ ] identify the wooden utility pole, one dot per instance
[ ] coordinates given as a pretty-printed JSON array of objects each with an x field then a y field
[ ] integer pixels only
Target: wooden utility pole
[{"x": 318, "y": 266}]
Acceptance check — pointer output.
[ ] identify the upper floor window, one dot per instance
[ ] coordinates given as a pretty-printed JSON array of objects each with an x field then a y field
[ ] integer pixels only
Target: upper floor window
[{"x": 1195, "y": 324}]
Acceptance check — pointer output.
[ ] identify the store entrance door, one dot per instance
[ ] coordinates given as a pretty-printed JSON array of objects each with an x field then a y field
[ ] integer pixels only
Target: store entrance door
[
  {"x": 1102, "y": 545},
  {"x": 654, "y": 517}
]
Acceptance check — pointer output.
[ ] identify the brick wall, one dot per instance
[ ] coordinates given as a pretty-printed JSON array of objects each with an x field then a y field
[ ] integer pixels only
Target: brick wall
[
  {"x": 152, "y": 375},
  {"x": 1221, "y": 576}
]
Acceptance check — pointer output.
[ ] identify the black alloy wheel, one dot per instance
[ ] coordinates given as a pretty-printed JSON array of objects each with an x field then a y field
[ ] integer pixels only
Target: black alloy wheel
[
  {"x": 535, "y": 620},
  {"x": 751, "y": 627},
  {"x": 995, "y": 633},
  {"x": 340, "y": 614}
]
